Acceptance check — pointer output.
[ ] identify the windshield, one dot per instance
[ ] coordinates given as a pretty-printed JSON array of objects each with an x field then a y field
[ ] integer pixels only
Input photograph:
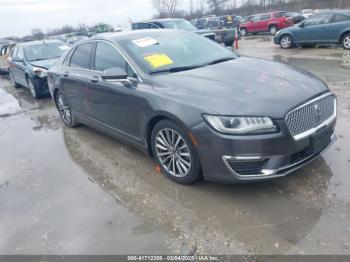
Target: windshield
[
  {"x": 45, "y": 51},
  {"x": 174, "y": 50},
  {"x": 179, "y": 24}
]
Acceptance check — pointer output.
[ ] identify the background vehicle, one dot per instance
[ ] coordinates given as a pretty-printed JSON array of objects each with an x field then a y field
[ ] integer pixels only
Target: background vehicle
[
  {"x": 224, "y": 27},
  {"x": 324, "y": 28},
  {"x": 156, "y": 90},
  {"x": 269, "y": 22},
  {"x": 29, "y": 62},
  {"x": 5, "y": 51},
  {"x": 172, "y": 23}
]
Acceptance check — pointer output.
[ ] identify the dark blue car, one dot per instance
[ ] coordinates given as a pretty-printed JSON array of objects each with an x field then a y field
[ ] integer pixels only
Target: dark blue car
[
  {"x": 331, "y": 27},
  {"x": 29, "y": 62}
]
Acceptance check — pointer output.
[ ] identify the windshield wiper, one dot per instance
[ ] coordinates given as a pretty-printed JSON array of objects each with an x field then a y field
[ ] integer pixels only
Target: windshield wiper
[
  {"x": 221, "y": 60},
  {"x": 176, "y": 69}
]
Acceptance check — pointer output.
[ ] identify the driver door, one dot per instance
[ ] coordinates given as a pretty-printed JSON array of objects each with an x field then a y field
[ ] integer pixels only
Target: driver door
[
  {"x": 314, "y": 29},
  {"x": 113, "y": 105}
]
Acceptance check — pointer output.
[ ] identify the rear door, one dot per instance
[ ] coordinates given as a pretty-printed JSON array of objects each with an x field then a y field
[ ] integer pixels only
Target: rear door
[
  {"x": 339, "y": 23},
  {"x": 75, "y": 76},
  {"x": 263, "y": 24}
]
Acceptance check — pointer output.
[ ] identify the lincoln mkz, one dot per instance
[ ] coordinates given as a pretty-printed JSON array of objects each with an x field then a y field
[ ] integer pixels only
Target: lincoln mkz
[{"x": 198, "y": 108}]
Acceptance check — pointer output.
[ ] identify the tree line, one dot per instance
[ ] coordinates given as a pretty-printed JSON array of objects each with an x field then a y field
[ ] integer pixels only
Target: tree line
[{"x": 198, "y": 8}]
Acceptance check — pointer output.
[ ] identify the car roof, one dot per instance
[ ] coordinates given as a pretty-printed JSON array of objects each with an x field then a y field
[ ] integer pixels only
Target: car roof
[
  {"x": 38, "y": 42},
  {"x": 160, "y": 20},
  {"x": 342, "y": 11}
]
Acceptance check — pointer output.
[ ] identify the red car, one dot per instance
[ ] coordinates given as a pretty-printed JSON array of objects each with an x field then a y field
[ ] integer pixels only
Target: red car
[{"x": 270, "y": 22}]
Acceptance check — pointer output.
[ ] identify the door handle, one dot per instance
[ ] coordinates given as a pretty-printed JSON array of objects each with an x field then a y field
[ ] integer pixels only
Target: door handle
[
  {"x": 94, "y": 79},
  {"x": 66, "y": 74}
]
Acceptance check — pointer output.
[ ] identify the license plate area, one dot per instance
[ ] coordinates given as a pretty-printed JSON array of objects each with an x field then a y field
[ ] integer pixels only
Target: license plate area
[{"x": 320, "y": 140}]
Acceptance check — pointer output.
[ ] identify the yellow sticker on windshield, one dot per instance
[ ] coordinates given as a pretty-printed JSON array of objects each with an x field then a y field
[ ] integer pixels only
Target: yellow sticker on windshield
[{"x": 158, "y": 60}]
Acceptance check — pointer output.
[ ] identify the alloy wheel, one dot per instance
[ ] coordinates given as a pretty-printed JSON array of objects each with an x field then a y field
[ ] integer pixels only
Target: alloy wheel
[
  {"x": 346, "y": 42},
  {"x": 64, "y": 109},
  {"x": 286, "y": 42},
  {"x": 173, "y": 152}
]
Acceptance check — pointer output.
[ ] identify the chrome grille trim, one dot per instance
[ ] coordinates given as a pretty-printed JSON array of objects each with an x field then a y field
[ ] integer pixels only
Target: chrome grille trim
[{"x": 302, "y": 121}]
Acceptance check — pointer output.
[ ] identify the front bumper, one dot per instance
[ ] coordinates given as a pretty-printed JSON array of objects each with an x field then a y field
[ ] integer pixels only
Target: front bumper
[
  {"x": 276, "y": 38},
  {"x": 226, "y": 158}
]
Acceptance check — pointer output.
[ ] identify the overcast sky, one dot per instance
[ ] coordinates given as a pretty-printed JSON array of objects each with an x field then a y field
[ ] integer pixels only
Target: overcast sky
[{"x": 18, "y": 17}]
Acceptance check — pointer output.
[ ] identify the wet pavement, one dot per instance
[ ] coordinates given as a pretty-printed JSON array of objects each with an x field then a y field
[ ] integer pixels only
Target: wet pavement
[{"x": 77, "y": 191}]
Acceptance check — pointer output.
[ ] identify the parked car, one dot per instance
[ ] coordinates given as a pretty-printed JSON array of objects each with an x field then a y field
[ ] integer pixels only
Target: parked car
[
  {"x": 224, "y": 117},
  {"x": 29, "y": 62},
  {"x": 6, "y": 47},
  {"x": 172, "y": 23},
  {"x": 269, "y": 22},
  {"x": 324, "y": 28}
]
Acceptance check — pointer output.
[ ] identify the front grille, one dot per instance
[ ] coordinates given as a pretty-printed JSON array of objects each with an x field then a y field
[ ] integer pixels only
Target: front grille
[
  {"x": 310, "y": 115},
  {"x": 247, "y": 167}
]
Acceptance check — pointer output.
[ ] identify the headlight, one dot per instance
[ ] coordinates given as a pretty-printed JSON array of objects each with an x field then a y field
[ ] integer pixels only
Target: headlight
[
  {"x": 40, "y": 72},
  {"x": 241, "y": 125}
]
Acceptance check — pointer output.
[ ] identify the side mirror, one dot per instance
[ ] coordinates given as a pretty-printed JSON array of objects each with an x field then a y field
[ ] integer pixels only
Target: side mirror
[
  {"x": 17, "y": 60},
  {"x": 116, "y": 74},
  {"x": 302, "y": 24}
]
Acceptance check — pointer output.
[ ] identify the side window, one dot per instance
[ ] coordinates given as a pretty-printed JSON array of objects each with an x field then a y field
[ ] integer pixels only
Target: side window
[
  {"x": 318, "y": 20},
  {"x": 107, "y": 56},
  {"x": 20, "y": 53},
  {"x": 340, "y": 18},
  {"x": 81, "y": 56},
  {"x": 67, "y": 59},
  {"x": 14, "y": 52},
  {"x": 255, "y": 18},
  {"x": 265, "y": 17}
]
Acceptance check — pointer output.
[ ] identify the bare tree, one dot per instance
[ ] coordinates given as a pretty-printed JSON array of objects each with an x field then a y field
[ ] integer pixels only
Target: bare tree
[
  {"x": 216, "y": 5},
  {"x": 37, "y": 34},
  {"x": 166, "y": 7}
]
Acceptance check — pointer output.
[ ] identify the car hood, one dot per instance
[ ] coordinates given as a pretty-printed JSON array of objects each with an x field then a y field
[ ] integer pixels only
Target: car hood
[
  {"x": 244, "y": 86},
  {"x": 47, "y": 63}
]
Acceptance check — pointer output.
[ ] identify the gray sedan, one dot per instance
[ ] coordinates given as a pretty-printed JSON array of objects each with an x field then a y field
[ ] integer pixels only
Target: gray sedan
[
  {"x": 200, "y": 110},
  {"x": 331, "y": 27}
]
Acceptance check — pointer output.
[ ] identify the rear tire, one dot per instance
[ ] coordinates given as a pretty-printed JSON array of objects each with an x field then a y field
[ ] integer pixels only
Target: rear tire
[
  {"x": 243, "y": 31},
  {"x": 273, "y": 29},
  {"x": 64, "y": 110},
  {"x": 346, "y": 41},
  {"x": 286, "y": 41},
  {"x": 175, "y": 153}
]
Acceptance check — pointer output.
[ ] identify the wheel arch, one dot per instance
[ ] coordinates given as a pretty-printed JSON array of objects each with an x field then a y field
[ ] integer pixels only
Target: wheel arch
[
  {"x": 343, "y": 34},
  {"x": 151, "y": 123}
]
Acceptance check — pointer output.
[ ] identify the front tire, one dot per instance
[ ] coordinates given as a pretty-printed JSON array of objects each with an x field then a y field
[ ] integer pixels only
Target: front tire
[
  {"x": 346, "y": 41},
  {"x": 33, "y": 89},
  {"x": 64, "y": 110},
  {"x": 286, "y": 41},
  {"x": 175, "y": 153}
]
